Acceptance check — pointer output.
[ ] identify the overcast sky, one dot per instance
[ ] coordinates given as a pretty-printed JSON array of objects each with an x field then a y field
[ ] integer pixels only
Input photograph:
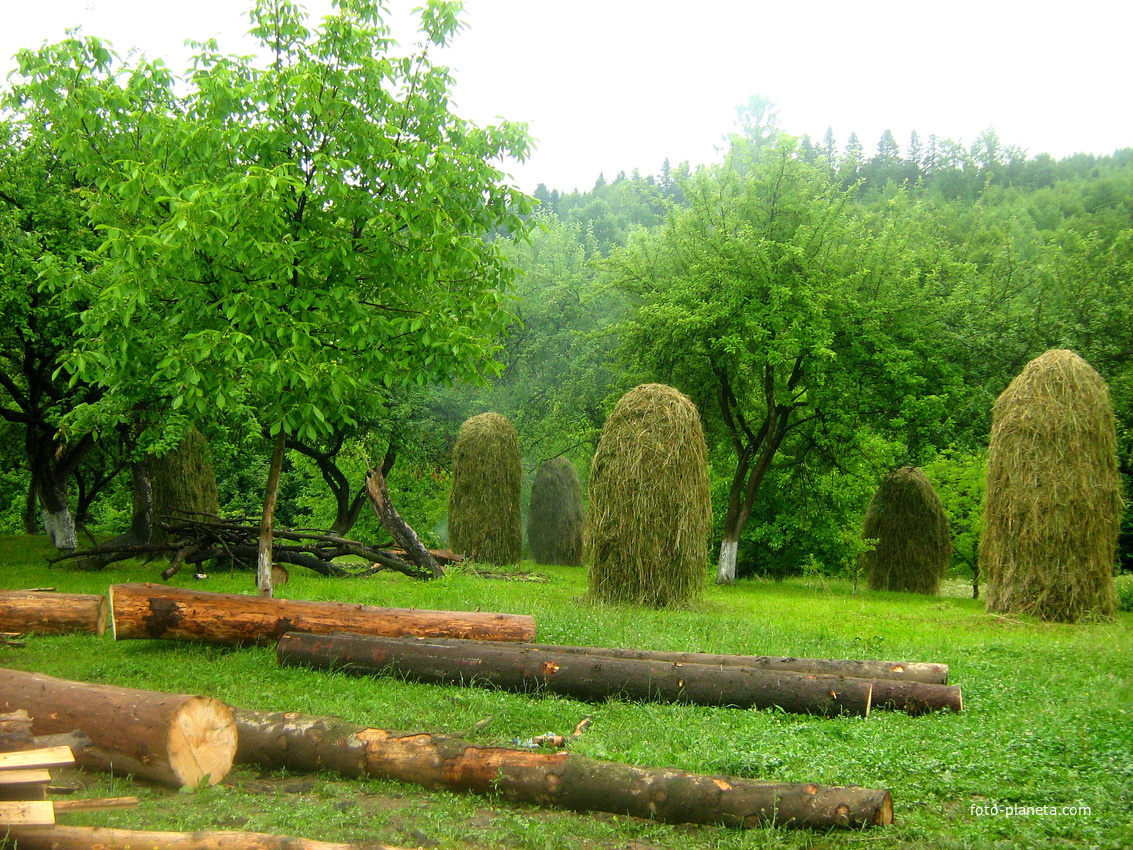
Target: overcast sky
[{"x": 613, "y": 85}]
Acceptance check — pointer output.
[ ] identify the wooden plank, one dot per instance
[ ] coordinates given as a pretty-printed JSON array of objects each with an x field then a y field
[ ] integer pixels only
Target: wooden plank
[
  {"x": 92, "y": 805},
  {"x": 24, "y": 776},
  {"x": 27, "y": 813},
  {"x": 45, "y": 757}
]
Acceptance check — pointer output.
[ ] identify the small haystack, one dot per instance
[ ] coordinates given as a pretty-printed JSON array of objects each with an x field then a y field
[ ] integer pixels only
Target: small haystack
[
  {"x": 554, "y": 521},
  {"x": 183, "y": 481},
  {"x": 483, "y": 510},
  {"x": 650, "y": 511},
  {"x": 914, "y": 548},
  {"x": 1053, "y": 505}
]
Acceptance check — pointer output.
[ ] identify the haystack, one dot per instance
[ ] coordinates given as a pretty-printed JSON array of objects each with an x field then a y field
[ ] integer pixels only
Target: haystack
[
  {"x": 483, "y": 511},
  {"x": 183, "y": 481},
  {"x": 1053, "y": 506},
  {"x": 554, "y": 520},
  {"x": 914, "y": 548},
  {"x": 650, "y": 513}
]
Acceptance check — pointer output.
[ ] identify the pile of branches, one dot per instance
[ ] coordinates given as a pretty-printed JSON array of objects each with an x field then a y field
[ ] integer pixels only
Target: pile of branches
[{"x": 195, "y": 539}]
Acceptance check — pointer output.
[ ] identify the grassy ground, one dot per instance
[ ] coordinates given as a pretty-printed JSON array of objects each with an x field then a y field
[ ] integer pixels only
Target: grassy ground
[{"x": 1048, "y": 719}]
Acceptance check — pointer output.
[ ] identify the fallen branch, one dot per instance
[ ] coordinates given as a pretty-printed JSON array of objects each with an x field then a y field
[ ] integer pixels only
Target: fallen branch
[
  {"x": 403, "y": 535},
  {"x": 310, "y": 744}
]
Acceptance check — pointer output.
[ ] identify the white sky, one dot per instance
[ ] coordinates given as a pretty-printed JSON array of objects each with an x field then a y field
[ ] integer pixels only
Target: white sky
[{"x": 612, "y": 85}]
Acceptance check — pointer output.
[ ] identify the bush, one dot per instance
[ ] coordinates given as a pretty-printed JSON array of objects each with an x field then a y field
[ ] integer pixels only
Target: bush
[
  {"x": 1054, "y": 503},
  {"x": 650, "y": 513},
  {"x": 1124, "y": 586},
  {"x": 483, "y": 510}
]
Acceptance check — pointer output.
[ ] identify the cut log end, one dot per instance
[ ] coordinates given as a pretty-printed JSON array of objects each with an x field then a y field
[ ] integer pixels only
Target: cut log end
[{"x": 202, "y": 741}]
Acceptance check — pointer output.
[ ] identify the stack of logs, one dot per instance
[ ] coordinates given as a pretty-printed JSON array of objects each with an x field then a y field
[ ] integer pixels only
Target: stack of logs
[{"x": 181, "y": 740}]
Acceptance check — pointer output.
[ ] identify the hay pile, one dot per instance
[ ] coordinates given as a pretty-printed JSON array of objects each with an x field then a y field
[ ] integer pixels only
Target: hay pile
[
  {"x": 554, "y": 520},
  {"x": 1053, "y": 506},
  {"x": 650, "y": 512},
  {"x": 183, "y": 480},
  {"x": 914, "y": 548},
  {"x": 483, "y": 510}
]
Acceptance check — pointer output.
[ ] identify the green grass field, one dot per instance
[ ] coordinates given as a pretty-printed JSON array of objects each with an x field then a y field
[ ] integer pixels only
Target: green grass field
[{"x": 1047, "y": 726}]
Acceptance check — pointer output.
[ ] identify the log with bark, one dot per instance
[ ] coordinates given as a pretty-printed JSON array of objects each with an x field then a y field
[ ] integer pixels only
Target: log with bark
[
  {"x": 194, "y": 540},
  {"x": 101, "y": 838},
  {"x": 47, "y": 613},
  {"x": 518, "y": 667},
  {"x": 308, "y": 744},
  {"x": 172, "y": 739},
  {"x": 15, "y": 731},
  {"x": 158, "y": 611}
]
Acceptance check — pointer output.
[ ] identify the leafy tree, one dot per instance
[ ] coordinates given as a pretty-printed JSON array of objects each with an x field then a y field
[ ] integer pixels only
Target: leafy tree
[{"x": 281, "y": 240}]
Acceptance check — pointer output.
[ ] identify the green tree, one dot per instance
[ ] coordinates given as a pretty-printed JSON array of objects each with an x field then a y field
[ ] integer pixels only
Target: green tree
[{"x": 280, "y": 240}]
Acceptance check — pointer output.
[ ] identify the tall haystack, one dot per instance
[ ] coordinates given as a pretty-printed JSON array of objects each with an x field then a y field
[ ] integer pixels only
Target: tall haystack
[
  {"x": 554, "y": 520},
  {"x": 650, "y": 512},
  {"x": 1053, "y": 505},
  {"x": 483, "y": 509},
  {"x": 908, "y": 522},
  {"x": 183, "y": 481}
]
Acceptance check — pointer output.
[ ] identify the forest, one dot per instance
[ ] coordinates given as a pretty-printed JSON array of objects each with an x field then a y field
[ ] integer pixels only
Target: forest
[{"x": 835, "y": 310}]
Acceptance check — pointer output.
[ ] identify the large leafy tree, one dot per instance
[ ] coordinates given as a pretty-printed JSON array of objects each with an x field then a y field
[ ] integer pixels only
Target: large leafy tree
[
  {"x": 794, "y": 320},
  {"x": 283, "y": 237}
]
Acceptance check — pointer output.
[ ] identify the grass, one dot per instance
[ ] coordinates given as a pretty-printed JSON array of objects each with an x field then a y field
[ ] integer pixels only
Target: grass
[{"x": 1048, "y": 719}]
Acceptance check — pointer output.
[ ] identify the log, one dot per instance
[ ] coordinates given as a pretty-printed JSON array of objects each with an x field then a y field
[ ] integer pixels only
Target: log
[
  {"x": 561, "y": 779},
  {"x": 157, "y": 611},
  {"x": 905, "y": 671},
  {"x": 43, "y": 613},
  {"x": 518, "y": 667},
  {"x": 15, "y": 732},
  {"x": 916, "y": 697},
  {"x": 172, "y": 739},
  {"x": 101, "y": 838}
]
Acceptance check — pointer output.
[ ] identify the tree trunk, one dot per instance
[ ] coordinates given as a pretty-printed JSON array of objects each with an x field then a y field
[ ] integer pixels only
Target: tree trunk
[
  {"x": 31, "y": 507},
  {"x": 37, "y": 612},
  {"x": 141, "y": 522},
  {"x": 905, "y": 671},
  {"x": 726, "y": 566},
  {"x": 264, "y": 559},
  {"x": 309, "y": 744},
  {"x": 184, "y": 483},
  {"x": 403, "y": 535},
  {"x": 593, "y": 678},
  {"x": 158, "y": 611},
  {"x": 102, "y": 838},
  {"x": 172, "y": 739}
]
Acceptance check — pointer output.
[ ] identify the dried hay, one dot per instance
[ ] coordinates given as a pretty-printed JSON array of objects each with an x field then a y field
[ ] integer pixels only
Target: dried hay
[
  {"x": 914, "y": 548},
  {"x": 484, "y": 521},
  {"x": 183, "y": 481},
  {"x": 650, "y": 513},
  {"x": 554, "y": 520},
  {"x": 1053, "y": 505}
]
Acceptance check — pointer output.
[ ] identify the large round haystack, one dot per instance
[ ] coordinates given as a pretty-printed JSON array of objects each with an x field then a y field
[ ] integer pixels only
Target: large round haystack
[
  {"x": 183, "y": 482},
  {"x": 1053, "y": 506},
  {"x": 483, "y": 509},
  {"x": 907, "y": 520},
  {"x": 650, "y": 513},
  {"x": 554, "y": 521}
]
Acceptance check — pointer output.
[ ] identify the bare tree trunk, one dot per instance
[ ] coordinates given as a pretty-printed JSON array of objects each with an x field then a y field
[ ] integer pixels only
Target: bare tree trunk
[
  {"x": 264, "y": 560},
  {"x": 403, "y": 534}
]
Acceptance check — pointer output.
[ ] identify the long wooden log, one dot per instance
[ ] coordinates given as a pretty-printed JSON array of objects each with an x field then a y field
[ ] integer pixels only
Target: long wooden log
[
  {"x": 518, "y": 667},
  {"x": 904, "y": 671},
  {"x": 560, "y": 779},
  {"x": 172, "y": 739},
  {"x": 101, "y": 838},
  {"x": 43, "y": 613},
  {"x": 158, "y": 611}
]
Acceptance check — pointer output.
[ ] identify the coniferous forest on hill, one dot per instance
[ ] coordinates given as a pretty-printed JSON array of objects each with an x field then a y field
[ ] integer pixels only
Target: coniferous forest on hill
[{"x": 835, "y": 310}]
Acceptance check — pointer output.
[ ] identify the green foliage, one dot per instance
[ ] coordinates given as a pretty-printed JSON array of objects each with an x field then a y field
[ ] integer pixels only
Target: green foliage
[
  {"x": 1124, "y": 585},
  {"x": 280, "y": 241},
  {"x": 959, "y": 478}
]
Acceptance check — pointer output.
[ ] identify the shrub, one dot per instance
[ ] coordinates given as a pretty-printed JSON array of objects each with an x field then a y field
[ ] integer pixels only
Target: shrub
[
  {"x": 554, "y": 520},
  {"x": 650, "y": 512},
  {"x": 1124, "y": 586},
  {"x": 907, "y": 520},
  {"x": 1053, "y": 503},
  {"x": 483, "y": 509}
]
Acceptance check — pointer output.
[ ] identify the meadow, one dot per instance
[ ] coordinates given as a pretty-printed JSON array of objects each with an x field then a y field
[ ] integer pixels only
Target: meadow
[{"x": 1041, "y": 755}]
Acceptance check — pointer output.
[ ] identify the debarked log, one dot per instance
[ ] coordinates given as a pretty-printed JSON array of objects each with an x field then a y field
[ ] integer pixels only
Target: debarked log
[
  {"x": 518, "y": 667},
  {"x": 159, "y": 611},
  {"x": 172, "y": 739},
  {"x": 304, "y": 743},
  {"x": 49, "y": 613},
  {"x": 100, "y": 838}
]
